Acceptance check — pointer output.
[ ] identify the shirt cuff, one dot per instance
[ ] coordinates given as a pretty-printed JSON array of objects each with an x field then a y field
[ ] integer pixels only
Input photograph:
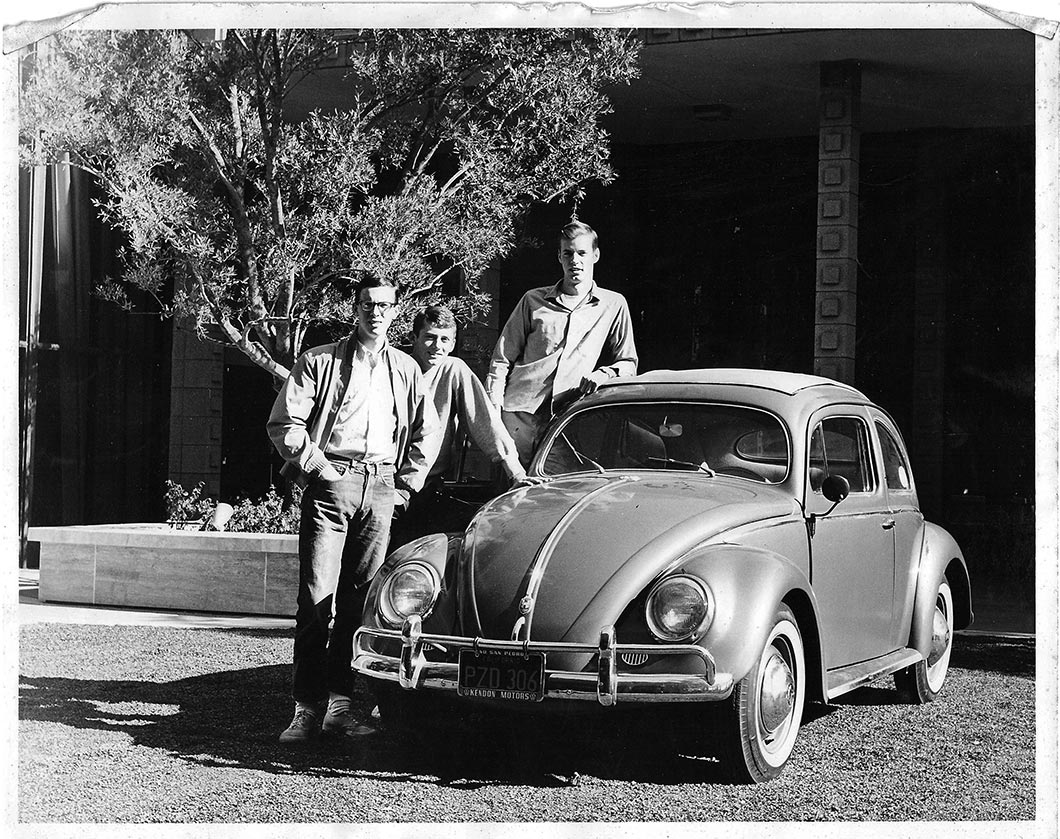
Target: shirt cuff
[
  {"x": 316, "y": 463},
  {"x": 513, "y": 467}
]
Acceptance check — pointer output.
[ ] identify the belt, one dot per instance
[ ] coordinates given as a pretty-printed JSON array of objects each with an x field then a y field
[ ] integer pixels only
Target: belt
[{"x": 366, "y": 465}]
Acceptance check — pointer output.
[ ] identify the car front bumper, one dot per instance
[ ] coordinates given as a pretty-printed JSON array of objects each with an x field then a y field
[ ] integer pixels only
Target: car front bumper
[{"x": 413, "y": 671}]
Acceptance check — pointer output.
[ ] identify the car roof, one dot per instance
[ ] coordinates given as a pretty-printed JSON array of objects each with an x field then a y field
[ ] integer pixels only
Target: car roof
[{"x": 744, "y": 377}]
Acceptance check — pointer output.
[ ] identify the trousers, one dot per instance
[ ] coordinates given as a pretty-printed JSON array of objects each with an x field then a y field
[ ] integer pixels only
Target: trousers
[
  {"x": 342, "y": 541},
  {"x": 526, "y": 429}
]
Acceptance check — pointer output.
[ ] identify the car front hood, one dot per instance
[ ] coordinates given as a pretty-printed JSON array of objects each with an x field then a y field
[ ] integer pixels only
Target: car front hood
[{"x": 585, "y": 546}]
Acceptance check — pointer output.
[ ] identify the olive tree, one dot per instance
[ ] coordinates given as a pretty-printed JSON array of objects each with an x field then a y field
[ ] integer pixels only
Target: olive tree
[{"x": 254, "y": 221}]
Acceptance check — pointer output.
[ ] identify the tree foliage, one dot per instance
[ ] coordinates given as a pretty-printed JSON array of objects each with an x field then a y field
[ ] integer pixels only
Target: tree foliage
[{"x": 254, "y": 220}]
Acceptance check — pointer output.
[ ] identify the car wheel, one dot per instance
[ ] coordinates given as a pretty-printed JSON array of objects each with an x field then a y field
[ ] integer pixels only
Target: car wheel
[
  {"x": 921, "y": 682},
  {"x": 762, "y": 717}
]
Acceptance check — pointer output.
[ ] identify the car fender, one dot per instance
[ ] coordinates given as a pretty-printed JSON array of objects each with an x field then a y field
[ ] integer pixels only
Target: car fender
[
  {"x": 748, "y": 585},
  {"x": 939, "y": 557},
  {"x": 439, "y": 551}
]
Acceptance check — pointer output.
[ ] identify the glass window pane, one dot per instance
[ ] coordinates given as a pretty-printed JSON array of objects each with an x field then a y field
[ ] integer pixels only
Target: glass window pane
[
  {"x": 725, "y": 439},
  {"x": 895, "y": 469},
  {"x": 846, "y": 452}
]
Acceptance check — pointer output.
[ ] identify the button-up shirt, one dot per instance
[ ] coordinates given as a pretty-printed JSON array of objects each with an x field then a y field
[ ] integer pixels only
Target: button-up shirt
[
  {"x": 545, "y": 349},
  {"x": 364, "y": 427},
  {"x": 308, "y": 403}
]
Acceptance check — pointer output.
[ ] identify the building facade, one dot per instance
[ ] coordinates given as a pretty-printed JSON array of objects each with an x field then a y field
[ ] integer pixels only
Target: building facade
[{"x": 855, "y": 203}]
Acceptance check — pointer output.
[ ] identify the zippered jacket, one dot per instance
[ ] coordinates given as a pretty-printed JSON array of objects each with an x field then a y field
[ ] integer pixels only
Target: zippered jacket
[{"x": 305, "y": 407}]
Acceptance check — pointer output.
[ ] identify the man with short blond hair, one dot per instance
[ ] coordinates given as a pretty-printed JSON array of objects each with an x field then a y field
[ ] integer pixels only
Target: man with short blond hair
[
  {"x": 560, "y": 342},
  {"x": 463, "y": 409}
]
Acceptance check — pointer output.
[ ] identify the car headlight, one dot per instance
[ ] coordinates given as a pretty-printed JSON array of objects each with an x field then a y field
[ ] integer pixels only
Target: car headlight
[
  {"x": 410, "y": 589},
  {"x": 679, "y": 608}
]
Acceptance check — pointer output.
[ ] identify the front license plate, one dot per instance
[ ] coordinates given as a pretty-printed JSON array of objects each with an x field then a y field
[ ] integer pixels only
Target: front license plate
[{"x": 502, "y": 674}]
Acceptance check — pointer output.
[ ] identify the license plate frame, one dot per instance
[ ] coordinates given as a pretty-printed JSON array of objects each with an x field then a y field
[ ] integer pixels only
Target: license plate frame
[{"x": 504, "y": 675}]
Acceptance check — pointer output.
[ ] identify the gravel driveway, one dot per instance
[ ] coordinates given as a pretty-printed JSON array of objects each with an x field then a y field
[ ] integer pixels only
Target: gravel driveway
[{"x": 149, "y": 724}]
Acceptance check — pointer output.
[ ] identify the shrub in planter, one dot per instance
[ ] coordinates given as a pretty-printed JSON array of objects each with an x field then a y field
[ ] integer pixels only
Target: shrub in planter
[
  {"x": 187, "y": 509},
  {"x": 272, "y": 513}
]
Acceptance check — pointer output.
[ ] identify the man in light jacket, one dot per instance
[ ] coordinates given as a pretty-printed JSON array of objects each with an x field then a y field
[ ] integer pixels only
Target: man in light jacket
[{"x": 355, "y": 424}]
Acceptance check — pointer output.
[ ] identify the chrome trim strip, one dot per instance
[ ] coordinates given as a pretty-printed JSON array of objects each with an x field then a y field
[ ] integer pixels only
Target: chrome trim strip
[
  {"x": 518, "y": 627},
  {"x": 548, "y": 547},
  {"x": 605, "y": 686},
  {"x": 845, "y": 679}
]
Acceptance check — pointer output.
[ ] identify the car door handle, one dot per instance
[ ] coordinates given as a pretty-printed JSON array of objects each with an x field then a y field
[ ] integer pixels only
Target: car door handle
[{"x": 888, "y": 524}]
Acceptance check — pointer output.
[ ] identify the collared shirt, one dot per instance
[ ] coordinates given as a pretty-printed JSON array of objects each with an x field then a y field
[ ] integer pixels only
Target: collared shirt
[
  {"x": 364, "y": 427},
  {"x": 463, "y": 406},
  {"x": 310, "y": 397},
  {"x": 545, "y": 349}
]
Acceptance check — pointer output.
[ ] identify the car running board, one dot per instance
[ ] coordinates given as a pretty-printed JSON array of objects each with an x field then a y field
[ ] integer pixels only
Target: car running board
[{"x": 845, "y": 679}]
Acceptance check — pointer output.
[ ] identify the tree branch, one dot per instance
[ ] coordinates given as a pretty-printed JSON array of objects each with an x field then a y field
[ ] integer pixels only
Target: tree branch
[
  {"x": 237, "y": 121},
  {"x": 241, "y": 222},
  {"x": 252, "y": 350},
  {"x": 450, "y": 185}
]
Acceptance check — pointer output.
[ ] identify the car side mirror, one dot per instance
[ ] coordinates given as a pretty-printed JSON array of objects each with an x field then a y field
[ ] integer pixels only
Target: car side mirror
[{"x": 835, "y": 488}]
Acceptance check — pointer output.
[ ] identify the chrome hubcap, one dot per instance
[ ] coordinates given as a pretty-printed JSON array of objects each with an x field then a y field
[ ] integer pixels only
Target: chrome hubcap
[
  {"x": 940, "y": 637},
  {"x": 778, "y": 693}
]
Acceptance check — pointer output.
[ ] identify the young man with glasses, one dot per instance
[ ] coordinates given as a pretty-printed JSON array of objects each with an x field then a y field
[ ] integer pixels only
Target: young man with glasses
[
  {"x": 560, "y": 342},
  {"x": 356, "y": 426}
]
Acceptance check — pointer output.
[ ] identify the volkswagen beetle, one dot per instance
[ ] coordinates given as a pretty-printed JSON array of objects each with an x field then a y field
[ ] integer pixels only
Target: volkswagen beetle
[{"x": 733, "y": 542}]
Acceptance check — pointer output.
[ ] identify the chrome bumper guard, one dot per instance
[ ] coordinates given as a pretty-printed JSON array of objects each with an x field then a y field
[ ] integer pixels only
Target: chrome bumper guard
[{"x": 413, "y": 671}]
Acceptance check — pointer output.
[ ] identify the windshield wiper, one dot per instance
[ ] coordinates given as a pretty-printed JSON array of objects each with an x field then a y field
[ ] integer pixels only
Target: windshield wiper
[
  {"x": 581, "y": 457},
  {"x": 669, "y": 461}
]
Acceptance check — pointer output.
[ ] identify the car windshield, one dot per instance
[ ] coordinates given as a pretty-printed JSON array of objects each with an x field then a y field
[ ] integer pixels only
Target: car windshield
[{"x": 709, "y": 438}]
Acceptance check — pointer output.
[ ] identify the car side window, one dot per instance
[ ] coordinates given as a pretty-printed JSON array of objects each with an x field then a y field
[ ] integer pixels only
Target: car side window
[
  {"x": 895, "y": 468},
  {"x": 840, "y": 446}
]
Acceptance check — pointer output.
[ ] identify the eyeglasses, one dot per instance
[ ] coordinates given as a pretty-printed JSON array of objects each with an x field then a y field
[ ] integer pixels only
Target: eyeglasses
[{"x": 382, "y": 306}]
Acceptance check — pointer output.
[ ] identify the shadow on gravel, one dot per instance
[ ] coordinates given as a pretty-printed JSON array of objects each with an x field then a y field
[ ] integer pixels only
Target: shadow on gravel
[{"x": 232, "y": 719}]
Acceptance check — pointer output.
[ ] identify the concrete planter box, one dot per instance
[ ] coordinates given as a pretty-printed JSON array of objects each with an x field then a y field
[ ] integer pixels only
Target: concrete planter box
[{"x": 153, "y": 566}]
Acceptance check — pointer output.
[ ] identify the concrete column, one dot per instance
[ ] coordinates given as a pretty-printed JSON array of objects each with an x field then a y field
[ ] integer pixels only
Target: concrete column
[
  {"x": 72, "y": 284},
  {"x": 837, "y": 220},
  {"x": 29, "y": 344}
]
